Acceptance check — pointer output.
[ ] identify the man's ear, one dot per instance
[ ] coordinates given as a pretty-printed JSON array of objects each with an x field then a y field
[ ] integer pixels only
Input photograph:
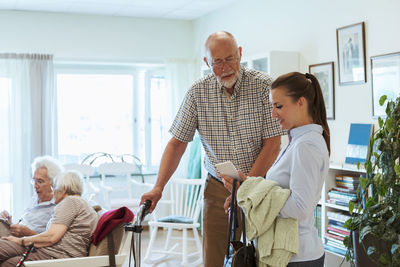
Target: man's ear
[{"x": 206, "y": 61}]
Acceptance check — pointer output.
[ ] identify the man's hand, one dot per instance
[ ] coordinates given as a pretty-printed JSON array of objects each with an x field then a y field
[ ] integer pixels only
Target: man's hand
[
  {"x": 5, "y": 215},
  {"x": 154, "y": 195},
  {"x": 13, "y": 239},
  {"x": 20, "y": 230},
  {"x": 228, "y": 181},
  {"x": 227, "y": 204}
]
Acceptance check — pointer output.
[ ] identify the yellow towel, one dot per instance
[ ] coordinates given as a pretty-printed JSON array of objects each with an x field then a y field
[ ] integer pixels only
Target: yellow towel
[{"x": 277, "y": 239}]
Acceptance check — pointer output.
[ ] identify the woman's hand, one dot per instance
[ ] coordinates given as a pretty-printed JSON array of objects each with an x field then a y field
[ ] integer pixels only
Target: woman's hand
[{"x": 13, "y": 239}]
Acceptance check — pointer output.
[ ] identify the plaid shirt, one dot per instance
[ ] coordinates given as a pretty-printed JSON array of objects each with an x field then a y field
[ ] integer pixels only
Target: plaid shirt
[{"x": 230, "y": 127}]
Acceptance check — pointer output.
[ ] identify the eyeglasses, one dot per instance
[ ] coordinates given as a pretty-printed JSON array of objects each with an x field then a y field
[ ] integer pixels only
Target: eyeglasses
[
  {"x": 38, "y": 181},
  {"x": 219, "y": 63}
]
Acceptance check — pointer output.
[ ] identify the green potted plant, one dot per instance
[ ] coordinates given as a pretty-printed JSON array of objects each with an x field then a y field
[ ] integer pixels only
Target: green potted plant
[{"x": 375, "y": 222}]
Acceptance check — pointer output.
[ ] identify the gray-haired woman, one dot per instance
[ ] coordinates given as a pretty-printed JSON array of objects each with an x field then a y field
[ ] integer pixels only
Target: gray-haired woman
[{"x": 68, "y": 232}]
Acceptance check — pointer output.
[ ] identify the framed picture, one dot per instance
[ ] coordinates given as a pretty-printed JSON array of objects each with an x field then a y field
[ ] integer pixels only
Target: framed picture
[
  {"x": 325, "y": 75},
  {"x": 385, "y": 72},
  {"x": 351, "y": 54}
]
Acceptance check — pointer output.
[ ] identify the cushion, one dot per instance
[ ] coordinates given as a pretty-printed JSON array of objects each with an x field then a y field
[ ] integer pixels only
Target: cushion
[
  {"x": 175, "y": 219},
  {"x": 109, "y": 220},
  {"x": 102, "y": 247}
]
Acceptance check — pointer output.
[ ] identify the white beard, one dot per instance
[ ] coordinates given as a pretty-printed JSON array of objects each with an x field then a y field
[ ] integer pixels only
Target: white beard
[{"x": 229, "y": 83}]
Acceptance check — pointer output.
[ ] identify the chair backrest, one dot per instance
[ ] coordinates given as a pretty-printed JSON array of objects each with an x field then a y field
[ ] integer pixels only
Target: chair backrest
[
  {"x": 117, "y": 168},
  {"x": 85, "y": 169},
  {"x": 187, "y": 195}
]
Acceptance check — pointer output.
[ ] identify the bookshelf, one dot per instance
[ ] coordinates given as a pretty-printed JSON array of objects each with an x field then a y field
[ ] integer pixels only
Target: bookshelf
[{"x": 327, "y": 209}]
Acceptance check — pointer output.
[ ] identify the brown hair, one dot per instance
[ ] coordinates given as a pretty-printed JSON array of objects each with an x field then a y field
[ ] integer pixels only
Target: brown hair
[{"x": 306, "y": 85}]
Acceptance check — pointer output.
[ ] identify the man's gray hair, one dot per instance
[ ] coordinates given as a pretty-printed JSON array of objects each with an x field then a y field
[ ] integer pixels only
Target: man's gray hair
[
  {"x": 71, "y": 181},
  {"x": 52, "y": 165}
]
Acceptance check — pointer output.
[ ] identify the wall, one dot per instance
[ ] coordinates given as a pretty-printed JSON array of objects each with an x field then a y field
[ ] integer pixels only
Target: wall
[
  {"x": 309, "y": 27},
  {"x": 91, "y": 37}
]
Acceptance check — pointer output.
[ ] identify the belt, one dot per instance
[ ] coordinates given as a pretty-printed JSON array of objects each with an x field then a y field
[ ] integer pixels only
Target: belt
[{"x": 215, "y": 178}]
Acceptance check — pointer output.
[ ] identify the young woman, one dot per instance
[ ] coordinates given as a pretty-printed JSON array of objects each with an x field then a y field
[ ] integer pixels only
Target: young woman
[{"x": 299, "y": 107}]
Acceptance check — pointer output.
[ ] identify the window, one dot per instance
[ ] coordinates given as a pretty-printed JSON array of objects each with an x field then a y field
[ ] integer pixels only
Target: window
[
  {"x": 111, "y": 109},
  {"x": 5, "y": 186}
]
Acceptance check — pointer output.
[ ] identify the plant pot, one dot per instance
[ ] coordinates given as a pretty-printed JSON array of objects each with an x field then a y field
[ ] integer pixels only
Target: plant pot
[{"x": 360, "y": 254}]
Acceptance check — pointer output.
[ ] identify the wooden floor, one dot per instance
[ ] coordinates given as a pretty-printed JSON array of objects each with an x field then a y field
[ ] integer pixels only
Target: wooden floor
[{"x": 173, "y": 261}]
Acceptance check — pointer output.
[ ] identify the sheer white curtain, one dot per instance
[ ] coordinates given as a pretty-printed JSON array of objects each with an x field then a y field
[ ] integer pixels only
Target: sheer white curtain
[
  {"x": 31, "y": 123},
  {"x": 181, "y": 74}
]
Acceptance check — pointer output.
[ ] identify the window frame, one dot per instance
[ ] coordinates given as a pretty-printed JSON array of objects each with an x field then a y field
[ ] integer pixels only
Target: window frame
[{"x": 150, "y": 69}]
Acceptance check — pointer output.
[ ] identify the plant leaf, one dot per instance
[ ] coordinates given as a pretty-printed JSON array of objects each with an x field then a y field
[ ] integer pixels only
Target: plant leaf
[
  {"x": 397, "y": 169},
  {"x": 363, "y": 182},
  {"x": 370, "y": 202},
  {"x": 394, "y": 248},
  {"x": 382, "y": 100},
  {"x": 371, "y": 250},
  {"x": 365, "y": 231},
  {"x": 351, "y": 207},
  {"x": 380, "y": 122}
]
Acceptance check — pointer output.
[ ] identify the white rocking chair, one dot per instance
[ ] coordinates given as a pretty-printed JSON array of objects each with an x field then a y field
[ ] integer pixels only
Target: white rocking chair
[{"x": 186, "y": 198}]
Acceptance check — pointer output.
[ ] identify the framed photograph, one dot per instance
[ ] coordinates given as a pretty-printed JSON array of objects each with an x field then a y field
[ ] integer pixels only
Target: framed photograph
[
  {"x": 325, "y": 75},
  {"x": 351, "y": 54},
  {"x": 385, "y": 76}
]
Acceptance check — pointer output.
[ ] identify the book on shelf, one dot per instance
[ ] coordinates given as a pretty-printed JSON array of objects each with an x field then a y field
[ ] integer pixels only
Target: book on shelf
[
  {"x": 340, "y": 230},
  {"x": 334, "y": 236},
  {"x": 335, "y": 243},
  {"x": 335, "y": 233},
  {"x": 342, "y": 195},
  {"x": 335, "y": 250},
  {"x": 358, "y": 142},
  {"x": 344, "y": 189},
  {"x": 338, "y": 216},
  {"x": 336, "y": 223},
  {"x": 339, "y": 202}
]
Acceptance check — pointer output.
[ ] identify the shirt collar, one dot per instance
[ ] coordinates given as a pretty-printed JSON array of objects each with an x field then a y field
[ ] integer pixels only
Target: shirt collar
[
  {"x": 50, "y": 202},
  {"x": 236, "y": 87},
  {"x": 299, "y": 131}
]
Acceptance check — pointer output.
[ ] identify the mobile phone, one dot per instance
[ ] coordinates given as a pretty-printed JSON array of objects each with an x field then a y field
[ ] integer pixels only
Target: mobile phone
[{"x": 229, "y": 169}]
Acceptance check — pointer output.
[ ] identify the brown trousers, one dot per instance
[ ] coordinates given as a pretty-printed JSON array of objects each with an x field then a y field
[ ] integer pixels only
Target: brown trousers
[
  {"x": 11, "y": 253},
  {"x": 215, "y": 224}
]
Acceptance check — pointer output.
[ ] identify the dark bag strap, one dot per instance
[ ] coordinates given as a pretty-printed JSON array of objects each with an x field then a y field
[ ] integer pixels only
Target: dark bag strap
[
  {"x": 232, "y": 216},
  {"x": 233, "y": 222},
  {"x": 111, "y": 252}
]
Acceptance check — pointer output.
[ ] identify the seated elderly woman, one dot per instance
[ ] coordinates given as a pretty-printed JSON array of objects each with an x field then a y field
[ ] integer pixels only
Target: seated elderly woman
[{"x": 69, "y": 230}]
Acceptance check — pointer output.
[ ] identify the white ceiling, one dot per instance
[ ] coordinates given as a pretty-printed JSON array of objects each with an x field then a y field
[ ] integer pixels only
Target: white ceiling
[{"x": 171, "y": 9}]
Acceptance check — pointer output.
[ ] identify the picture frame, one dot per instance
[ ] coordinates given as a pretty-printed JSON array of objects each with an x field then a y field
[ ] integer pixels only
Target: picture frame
[
  {"x": 351, "y": 54},
  {"x": 385, "y": 77},
  {"x": 324, "y": 72}
]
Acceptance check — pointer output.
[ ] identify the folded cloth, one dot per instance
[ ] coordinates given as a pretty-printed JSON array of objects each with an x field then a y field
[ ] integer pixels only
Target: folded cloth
[
  {"x": 109, "y": 220},
  {"x": 277, "y": 237}
]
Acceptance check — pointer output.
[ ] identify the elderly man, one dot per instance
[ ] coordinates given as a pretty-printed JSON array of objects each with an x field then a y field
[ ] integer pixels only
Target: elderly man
[
  {"x": 231, "y": 111},
  {"x": 35, "y": 217}
]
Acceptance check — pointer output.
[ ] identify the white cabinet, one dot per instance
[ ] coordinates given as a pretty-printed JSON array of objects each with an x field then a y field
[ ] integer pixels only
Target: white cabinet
[{"x": 275, "y": 63}]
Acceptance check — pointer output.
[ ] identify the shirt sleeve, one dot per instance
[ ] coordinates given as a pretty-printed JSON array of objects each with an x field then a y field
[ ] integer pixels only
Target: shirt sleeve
[
  {"x": 305, "y": 181},
  {"x": 65, "y": 212},
  {"x": 185, "y": 124},
  {"x": 271, "y": 126}
]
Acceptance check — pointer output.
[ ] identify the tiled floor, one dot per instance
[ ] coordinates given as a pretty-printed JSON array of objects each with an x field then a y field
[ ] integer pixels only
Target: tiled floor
[{"x": 173, "y": 261}]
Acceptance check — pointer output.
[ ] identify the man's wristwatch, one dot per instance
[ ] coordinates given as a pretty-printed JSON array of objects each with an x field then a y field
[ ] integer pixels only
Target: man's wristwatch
[{"x": 23, "y": 241}]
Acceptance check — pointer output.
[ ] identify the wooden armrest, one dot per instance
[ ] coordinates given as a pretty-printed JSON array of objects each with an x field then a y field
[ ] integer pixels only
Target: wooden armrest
[{"x": 81, "y": 262}]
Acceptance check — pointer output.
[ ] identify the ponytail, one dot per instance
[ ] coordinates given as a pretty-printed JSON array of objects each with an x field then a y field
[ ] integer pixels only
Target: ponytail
[
  {"x": 307, "y": 86},
  {"x": 319, "y": 110}
]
